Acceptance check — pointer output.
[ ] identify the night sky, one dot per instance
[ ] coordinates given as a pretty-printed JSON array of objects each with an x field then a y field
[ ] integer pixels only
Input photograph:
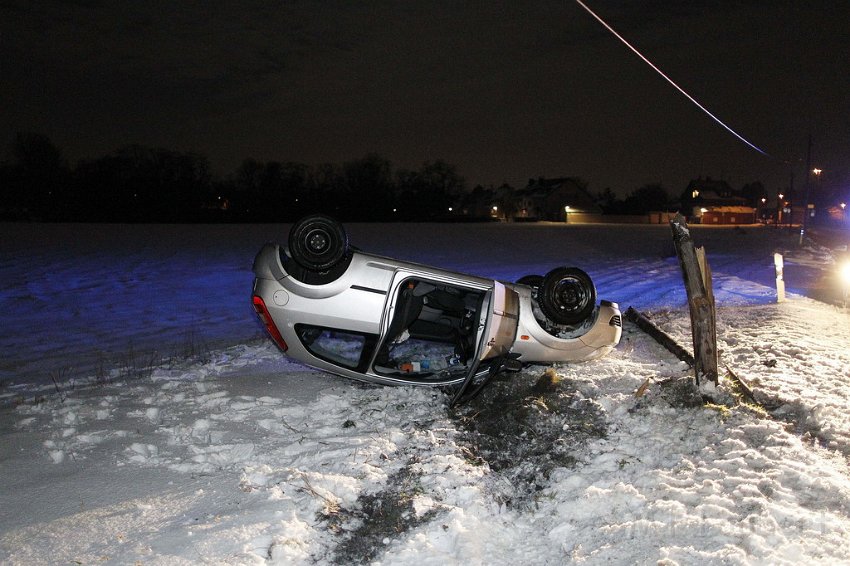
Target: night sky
[{"x": 506, "y": 91}]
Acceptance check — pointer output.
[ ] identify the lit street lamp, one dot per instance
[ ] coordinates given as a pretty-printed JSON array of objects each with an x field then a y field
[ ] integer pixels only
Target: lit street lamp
[
  {"x": 566, "y": 215},
  {"x": 806, "y": 206}
]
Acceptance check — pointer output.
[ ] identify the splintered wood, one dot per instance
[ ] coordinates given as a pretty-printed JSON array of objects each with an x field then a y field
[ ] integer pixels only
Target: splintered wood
[{"x": 697, "y": 277}]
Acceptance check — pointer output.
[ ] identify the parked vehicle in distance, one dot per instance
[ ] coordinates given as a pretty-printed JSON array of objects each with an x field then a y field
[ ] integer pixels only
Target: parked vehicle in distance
[{"x": 382, "y": 320}]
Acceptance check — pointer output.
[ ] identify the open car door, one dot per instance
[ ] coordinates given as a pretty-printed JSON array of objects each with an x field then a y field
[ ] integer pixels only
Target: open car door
[{"x": 498, "y": 333}]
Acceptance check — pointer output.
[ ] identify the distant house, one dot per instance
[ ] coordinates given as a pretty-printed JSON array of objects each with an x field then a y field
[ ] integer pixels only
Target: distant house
[
  {"x": 487, "y": 203},
  {"x": 729, "y": 215},
  {"x": 551, "y": 199},
  {"x": 710, "y": 201}
]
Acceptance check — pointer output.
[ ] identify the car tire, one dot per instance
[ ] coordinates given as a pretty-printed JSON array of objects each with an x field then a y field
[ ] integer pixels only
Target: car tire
[
  {"x": 318, "y": 242},
  {"x": 567, "y": 295},
  {"x": 534, "y": 281}
]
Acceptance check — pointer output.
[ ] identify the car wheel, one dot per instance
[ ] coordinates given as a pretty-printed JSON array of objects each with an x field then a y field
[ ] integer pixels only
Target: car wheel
[
  {"x": 567, "y": 295},
  {"x": 318, "y": 242},
  {"x": 534, "y": 281}
]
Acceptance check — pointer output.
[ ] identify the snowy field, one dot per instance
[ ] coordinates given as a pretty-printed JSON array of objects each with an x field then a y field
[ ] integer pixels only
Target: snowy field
[{"x": 144, "y": 418}]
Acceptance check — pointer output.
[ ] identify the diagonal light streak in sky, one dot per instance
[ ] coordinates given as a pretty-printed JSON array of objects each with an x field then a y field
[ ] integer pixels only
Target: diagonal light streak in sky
[{"x": 669, "y": 80}]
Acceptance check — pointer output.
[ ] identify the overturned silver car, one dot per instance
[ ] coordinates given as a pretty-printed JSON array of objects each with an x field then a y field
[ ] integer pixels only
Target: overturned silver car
[{"x": 393, "y": 322}]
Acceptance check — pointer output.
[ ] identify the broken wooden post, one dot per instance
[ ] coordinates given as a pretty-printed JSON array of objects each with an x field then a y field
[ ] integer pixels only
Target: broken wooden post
[
  {"x": 708, "y": 285},
  {"x": 700, "y": 301},
  {"x": 640, "y": 320},
  {"x": 778, "y": 263}
]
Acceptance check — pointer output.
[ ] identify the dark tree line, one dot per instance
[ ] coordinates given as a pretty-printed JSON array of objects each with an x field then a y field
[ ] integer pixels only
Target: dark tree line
[
  {"x": 133, "y": 184},
  {"x": 141, "y": 184},
  {"x": 655, "y": 198},
  {"x": 649, "y": 198},
  {"x": 366, "y": 189}
]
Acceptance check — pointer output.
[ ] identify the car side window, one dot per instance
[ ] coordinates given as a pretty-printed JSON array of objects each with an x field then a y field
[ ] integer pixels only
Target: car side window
[{"x": 340, "y": 347}]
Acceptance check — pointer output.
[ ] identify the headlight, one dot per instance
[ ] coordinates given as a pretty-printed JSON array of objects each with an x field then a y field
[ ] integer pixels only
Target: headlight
[{"x": 844, "y": 272}]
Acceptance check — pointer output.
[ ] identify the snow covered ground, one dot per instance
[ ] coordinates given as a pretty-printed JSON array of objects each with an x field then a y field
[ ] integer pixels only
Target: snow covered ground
[{"x": 144, "y": 418}]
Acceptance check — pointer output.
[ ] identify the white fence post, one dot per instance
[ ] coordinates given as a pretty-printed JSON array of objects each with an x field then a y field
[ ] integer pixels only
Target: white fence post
[{"x": 778, "y": 262}]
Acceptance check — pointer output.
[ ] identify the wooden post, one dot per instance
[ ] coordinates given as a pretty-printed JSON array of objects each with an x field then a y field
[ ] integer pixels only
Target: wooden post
[
  {"x": 640, "y": 320},
  {"x": 778, "y": 263},
  {"x": 700, "y": 301},
  {"x": 708, "y": 285}
]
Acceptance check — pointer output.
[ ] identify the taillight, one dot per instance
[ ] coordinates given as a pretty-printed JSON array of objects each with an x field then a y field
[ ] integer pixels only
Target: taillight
[{"x": 266, "y": 319}]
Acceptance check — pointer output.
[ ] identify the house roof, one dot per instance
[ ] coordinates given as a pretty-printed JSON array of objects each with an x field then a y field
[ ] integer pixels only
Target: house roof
[
  {"x": 568, "y": 190},
  {"x": 710, "y": 186}
]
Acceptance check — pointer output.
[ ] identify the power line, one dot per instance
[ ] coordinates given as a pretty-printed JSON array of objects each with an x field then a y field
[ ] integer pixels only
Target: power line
[{"x": 669, "y": 80}]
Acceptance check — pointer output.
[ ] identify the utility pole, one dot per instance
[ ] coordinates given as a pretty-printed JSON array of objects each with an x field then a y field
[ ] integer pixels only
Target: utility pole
[{"x": 808, "y": 183}]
